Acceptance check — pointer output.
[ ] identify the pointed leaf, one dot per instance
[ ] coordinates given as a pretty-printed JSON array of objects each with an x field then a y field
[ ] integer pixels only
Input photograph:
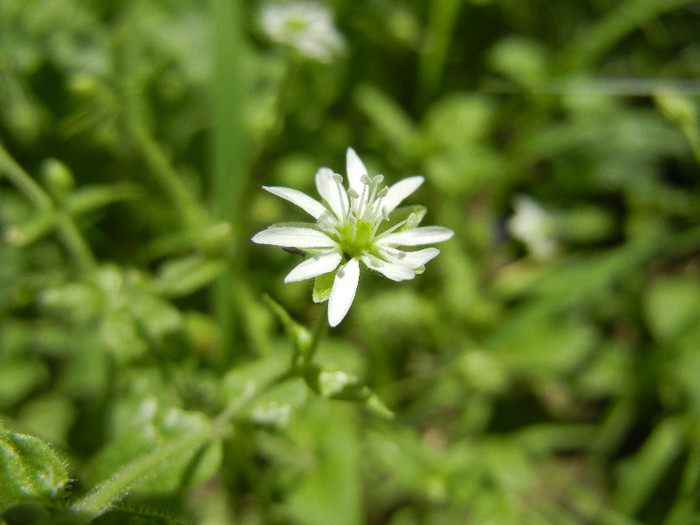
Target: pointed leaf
[{"x": 29, "y": 469}]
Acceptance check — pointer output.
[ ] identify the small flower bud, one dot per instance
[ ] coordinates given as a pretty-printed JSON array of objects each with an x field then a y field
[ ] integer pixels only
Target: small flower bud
[{"x": 57, "y": 177}]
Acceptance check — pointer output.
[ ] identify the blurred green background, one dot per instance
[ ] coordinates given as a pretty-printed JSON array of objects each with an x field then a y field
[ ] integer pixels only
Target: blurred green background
[{"x": 544, "y": 370}]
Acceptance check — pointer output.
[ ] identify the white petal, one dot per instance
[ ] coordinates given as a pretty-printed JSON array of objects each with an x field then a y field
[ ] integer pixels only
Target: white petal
[
  {"x": 417, "y": 236},
  {"x": 399, "y": 191},
  {"x": 343, "y": 291},
  {"x": 393, "y": 271},
  {"x": 355, "y": 169},
  {"x": 293, "y": 237},
  {"x": 333, "y": 192},
  {"x": 413, "y": 259},
  {"x": 317, "y": 265},
  {"x": 301, "y": 199}
]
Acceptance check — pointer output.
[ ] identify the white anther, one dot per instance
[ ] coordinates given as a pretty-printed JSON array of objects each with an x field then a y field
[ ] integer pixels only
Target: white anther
[{"x": 337, "y": 177}]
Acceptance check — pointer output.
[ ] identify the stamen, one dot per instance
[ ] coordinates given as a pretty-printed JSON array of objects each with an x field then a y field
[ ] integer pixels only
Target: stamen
[
  {"x": 363, "y": 198},
  {"x": 339, "y": 185},
  {"x": 377, "y": 210},
  {"x": 411, "y": 221},
  {"x": 369, "y": 212}
]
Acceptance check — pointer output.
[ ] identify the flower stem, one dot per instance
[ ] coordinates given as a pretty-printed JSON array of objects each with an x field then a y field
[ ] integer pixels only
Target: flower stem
[
  {"x": 230, "y": 151},
  {"x": 320, "y": 330},
  {"x": 67, "y": 230},
  {"x": 23, "y": 181},
  {"x": 193, "y": 215}
]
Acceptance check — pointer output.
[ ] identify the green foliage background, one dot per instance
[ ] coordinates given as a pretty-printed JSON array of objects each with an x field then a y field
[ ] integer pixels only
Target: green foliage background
[{"x": 144, "y": 377}]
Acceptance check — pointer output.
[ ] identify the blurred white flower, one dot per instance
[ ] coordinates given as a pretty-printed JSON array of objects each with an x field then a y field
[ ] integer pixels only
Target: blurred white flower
[
  {"x": 306, "y": 26},
  {"x": 360, "y": 224},
  {"x": 533, "y": 226}
]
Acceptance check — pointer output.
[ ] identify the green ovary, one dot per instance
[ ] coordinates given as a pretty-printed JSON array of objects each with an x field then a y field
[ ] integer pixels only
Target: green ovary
[{"x": 362, "y": 241}]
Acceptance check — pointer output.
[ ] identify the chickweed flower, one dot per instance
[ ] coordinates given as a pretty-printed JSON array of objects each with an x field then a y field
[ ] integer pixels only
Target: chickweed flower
[
  {"x": 305, "y": 26},
  {"x": 534, "y": 226},
  {"x": 360, "y": 224}
]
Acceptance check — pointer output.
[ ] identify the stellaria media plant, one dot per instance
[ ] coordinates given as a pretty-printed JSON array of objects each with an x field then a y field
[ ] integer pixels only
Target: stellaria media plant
[{"x": 360, "y": 224}]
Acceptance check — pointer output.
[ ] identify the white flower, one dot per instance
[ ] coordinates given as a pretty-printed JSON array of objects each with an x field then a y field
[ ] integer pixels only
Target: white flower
[
  {"x": 360, "y": 224},
  {"x": 533, "y": 226},
  {"x": 305, "y": 26}
]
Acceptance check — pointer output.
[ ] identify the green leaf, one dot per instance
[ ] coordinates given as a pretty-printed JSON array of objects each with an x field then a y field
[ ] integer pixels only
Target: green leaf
[
  {"x": 35, "y": 513},
  {"x": 346, "y": 387},
  {"x": 672, "y": 306},
  {"x": 88, "y": 198},
  {"x": 165, "y": 427},
  {"x": 247, "y": 381},
  {"x": 18, "y": 378},
  {"x": 640, "y": 475},
  {"x": 33, "y": 229},
  {"x": 130, "y": 517},
  {"x": 156, "y": 459},
  {"x": 330, "y": 491},
  {"x": 275, "y": 407},
  {"x": 536, "y": 342},
  {"x": 183, "y": 276},
  {"x": 299, "y": 336},
  {"x": 387, "y": 116},
  {"x": 322, "y": 287},
  {"x": 29, "y": 469}
]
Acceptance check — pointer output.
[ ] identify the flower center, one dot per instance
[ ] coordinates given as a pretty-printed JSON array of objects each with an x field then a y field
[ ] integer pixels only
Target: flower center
[{"x": 356, "y": 239}]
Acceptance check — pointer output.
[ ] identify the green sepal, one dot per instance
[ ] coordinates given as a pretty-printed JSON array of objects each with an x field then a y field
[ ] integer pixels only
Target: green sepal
[{"x": 322, "y": 286}]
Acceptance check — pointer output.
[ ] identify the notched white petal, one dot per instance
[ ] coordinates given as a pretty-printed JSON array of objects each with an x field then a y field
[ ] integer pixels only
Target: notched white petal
[
  {"x": 355, "y": 170},
  {"x": 317, "y": 265},
  {"x": 414, "y": 259},
  {"x": 293, "y": 237},
  {"x": 390, "y": 270},
  {"x": 332, "y": 192},
  {"x": 299, "y": 198},
  {"x": 417, "y": 236},
  {"x": 343, "y": 291},
  {"x": 399, "y": 191}
]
